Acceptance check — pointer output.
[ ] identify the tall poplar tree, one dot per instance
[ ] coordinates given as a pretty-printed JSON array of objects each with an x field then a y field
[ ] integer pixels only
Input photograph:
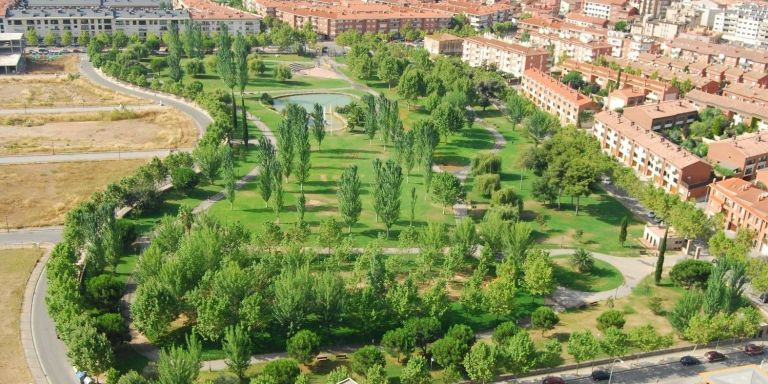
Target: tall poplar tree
[
  {"x": 389, "y": 180},
  {"x": 225, "y": 66},
  {"x": 348, "y": 196},
  {"x": 302, "y": 150},
  {"x": 241, "y": 49}
]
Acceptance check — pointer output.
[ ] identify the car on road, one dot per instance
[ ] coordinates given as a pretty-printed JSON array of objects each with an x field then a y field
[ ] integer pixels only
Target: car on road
[
  {"x": 689, "y": 360},
  {"x": 713, "y": 356},
  {"x": 553, "y": 380},
  {"x": 600, "y": 375},
  {"x": 753, "y": 349}
]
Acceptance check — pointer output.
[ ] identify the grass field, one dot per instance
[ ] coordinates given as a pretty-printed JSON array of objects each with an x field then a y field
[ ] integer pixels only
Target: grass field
[
  {"x": 599, "y": 214},
  {"x": 41, "y": 194},
  {"x": 96, "y": 131},
  {"x": 603, "y": 276},
  {"x": 17, "y": 264}
]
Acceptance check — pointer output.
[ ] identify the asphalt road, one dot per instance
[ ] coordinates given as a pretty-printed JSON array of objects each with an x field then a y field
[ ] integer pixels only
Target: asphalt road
[
  {"x": 49, "y": 235},
  {"x": 85, "y": 156}
]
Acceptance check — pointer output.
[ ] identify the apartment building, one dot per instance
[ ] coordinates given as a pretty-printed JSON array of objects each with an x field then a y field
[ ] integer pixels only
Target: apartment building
[
  {"x": 608, "y": 9},
  {"x": 738, "y": 111},
  {"x": 552, "y": 96},
  {"x": 585, "y": 21},
  {"x": 743, "y": 205},
  {"x": 583, "y": 49},
  {"x": 663, "y": 115},
  {"x": 480, "y": 15},
  {"x": 653, "y": 8},
  {"x": 744, "y": 154},
  {"x": 506, "y": 57},
  {"x": 211, "y": 15},
  {"x": 443, "y": 44},
  {"x": 746, "y": 93},
  {"x": 729, "y": 55},
  {"x": 664, "y": 74},
  {"x": 654, "y": 90},
  {"x": 652, "y": 157},
  {"x": 744, "y": 23}
]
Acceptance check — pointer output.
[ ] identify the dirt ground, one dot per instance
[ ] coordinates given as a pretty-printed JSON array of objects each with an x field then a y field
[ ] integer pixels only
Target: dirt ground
[
  {"x": 41, "y": 194},
  {"x": 322, "y": 73},
  {"x": 64, "y": 64},
  {"x": 17, "y": 265},
  {"x": 91, "y": 132},
  {"x": 29, "y": 91}
]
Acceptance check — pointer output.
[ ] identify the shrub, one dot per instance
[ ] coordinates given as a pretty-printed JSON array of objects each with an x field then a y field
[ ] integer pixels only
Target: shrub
[
  {"x": 104, "y": 290},
  {"x": 303, "y": 346},
  {"x": 462, "y": 333},
  {"x": 654, "y": 304},
  {"x": 506, "y": 196},
  {"x": 127, "y": 231},
  {"x": 266, "y": 99},
  {"x": 486, "y": 163},
  {"x": 544, "y": 318},
  {"x": 365, "y": 358},
  {"x": 691, "y": 273},
  {"x": 486, "y": 184},
  {"x": 582, "y": 260},
  {"x": 610, "y": 319},
  {"x": 113, "y": 326},
  {"x": 183, "y": 179},
  {"x": 505, "y": 331},
  {"x": 283, "y": 371}
]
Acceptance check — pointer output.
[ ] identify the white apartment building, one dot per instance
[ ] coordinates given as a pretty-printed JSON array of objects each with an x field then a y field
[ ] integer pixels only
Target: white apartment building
[
  {"x": 506, "y": 57},
  {"x": 604, "y": 9},
  {"x": 745, "y": 23}
]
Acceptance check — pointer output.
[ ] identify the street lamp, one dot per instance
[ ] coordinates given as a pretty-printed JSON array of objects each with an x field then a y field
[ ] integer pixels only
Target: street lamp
[{"x": 610, "y": 376}]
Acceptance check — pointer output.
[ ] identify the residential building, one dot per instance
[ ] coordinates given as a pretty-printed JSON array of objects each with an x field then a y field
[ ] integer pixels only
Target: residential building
[
  {"x": 743, "y": 154},
  {"x": 729, "y": 55},
  {"x": 608, "y": 9},
  {"x": 586, "y": 21},
  {"x": 746, "y": 93},
  {"x": 11, "y": 53},
  {"x": 654, "y": 90},
  {"x": 663, "y": 115},
  {"x": 211, "y": 15},
  {"x": 443, "y": 44},
  {"x": 660, "y": 29},
  {"x": 652, "y": 157},
  {"x": 654, "y": 234},
  {"x": 751, "y": 114},
  {"x": 624, "y": 98},
  {"x": 653, "y": 8},
  {"x": 480, "y": 16},
  {"x": 745, "y": 23},
  {"x": 554, "y": 97},
  {"x": 506, "y": 57},
  {"x": 583, "y": 49},
  {"x": 743, "y": 206}
]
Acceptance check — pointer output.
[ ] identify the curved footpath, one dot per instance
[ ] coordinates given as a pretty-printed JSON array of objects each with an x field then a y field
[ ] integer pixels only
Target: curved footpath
[{"x": 46, "y": 354}]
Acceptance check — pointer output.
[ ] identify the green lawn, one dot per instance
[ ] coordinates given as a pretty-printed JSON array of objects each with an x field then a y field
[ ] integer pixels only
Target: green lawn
[
  {"x": 599, "y": 214},
  {"x": 603, "y": 276}
]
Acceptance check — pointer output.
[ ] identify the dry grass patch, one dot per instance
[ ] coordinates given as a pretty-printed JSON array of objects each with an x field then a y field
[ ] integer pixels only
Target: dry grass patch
[
  {"x": 17, "y": 265},
  {"x": 63, "y": 64},
  {"x": 41, "y": 194},
  {"x": 96, "y": 131},
  {"x": 57, "y": 91}
]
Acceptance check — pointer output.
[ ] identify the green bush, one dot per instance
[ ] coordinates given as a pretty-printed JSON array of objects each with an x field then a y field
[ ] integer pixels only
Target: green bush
[
  {"x": 365, "y": 358},
  {"x": 505, "y": 331},
  {"x": 486, "y": 163},
  {"x": 610, "y": 319},
  {"x": 303, "y": 346},
  {"x": 506, "y": 196},
  {"x": 691, "y": 273},
  {"x": 184, "y": 179},
  {"x": 104, "y": 291},
  {"x": 127, "y": 231},
  {"x": 283, "y": 371},
  {"x": 266, "y": 99},
  {"x": 113, "y": 326},
  {"x": 486, "y": 184}
]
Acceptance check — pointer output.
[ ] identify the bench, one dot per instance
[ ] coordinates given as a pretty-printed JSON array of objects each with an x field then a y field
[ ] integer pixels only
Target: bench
[
  {"x": 322, "y": 358},
  {"x": 342, "y": 356}
]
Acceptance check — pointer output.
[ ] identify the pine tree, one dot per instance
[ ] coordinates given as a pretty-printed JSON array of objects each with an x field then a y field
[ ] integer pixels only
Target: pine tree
[
  {"x": 660, "y": 260},
  {"x": 348, "y": 196}
]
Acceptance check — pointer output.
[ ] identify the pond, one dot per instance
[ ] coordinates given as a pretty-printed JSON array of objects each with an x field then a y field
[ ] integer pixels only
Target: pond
[{"x": 329, "y": 101}]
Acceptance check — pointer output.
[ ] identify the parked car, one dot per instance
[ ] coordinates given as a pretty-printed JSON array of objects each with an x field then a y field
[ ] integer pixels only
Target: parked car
[
  {"x": 753, "y": 349},
  {"x": 689, "y": 360},
  {"x": 553, "y": 380},
  {"x": 713, "y": 356},
  {"x": 600, "y": 375}
]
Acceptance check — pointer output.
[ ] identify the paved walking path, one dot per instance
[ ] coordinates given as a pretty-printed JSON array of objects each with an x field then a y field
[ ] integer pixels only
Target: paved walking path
[
  {"x": 87, "y": 156},
  {"x": 102, "y": 108}
]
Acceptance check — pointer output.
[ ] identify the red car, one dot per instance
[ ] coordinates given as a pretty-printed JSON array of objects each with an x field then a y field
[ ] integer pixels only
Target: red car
[
  {"x": 553, "y": 380},
  {"x": 713, "y": 356},
  {"x": 753, "y": 349}
]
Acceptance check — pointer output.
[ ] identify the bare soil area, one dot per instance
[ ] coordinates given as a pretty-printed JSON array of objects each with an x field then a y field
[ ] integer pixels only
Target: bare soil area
[
  {"x": 29, "y": 91},
  {"x": 93, "y": 132},
  {"x": 41, "y": 194},
  {"x": 63, "y": 64},
  {"x": 17, "y": 265},
  {"x": 322, "y": 73}
]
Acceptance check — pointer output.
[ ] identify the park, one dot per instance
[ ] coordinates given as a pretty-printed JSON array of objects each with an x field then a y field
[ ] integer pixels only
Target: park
[{"x": 382, "y": 215}]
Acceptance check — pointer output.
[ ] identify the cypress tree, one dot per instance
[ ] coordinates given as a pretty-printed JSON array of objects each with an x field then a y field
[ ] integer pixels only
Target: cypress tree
[
  {"x": 623, "y": 230},
  {"x": 660, "y": 260}
]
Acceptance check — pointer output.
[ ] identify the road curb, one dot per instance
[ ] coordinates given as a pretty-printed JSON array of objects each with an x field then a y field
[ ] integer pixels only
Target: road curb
[{"x": 28, "y": 344}]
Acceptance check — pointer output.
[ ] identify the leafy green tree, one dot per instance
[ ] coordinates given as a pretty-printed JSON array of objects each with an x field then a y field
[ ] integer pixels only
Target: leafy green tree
[
  {"x": 366, "y": 357},
  {"x": 611, "y": 319},
  {"x": 423, "y": 329},
  {"x": 416, "y": 371},
  {"x": 398, "y": 342},
  {"x": 504, "y": 332},
  {"x": 348, "y": 196},
  {"x": 293, "y": 290},
  {"x": 293, "y": 116},
  {"x": 337, "y": 375},
  {"x": 132, "y": 377},
  {"x": 318, "y": 124},
  {"x": 500, "y": 296},
  {"x": 154, "y": 308},
  {"x": 687, "y": 306},
  {"x": 329, "y": 296},
  {"x": 376, "y": 375},
  {"x": 389, "y": 70},
  {"x": 388, "y": 182},
  {"x": 178, "y": 364},
  {"x": 583, "y": 346},
  {"x": 411, "y": 85},
  {"x": 539, "y": 125},
  {"x": 89, "y": 350},
  {"x": 583, "y": 260},
  {"x": 404, "y": 299},
  {"x": 520, "y": 353},
  {"x": 193, "y": 67},
  {"x": 448, "y": 118},
  {"x": 50, "y": 38},
  {"x": 647, "y": 339},
  {"x": 303, "y": 346},
  {"x": 447, "y": 189},
  {"x": 83, "y": 38},
  {"x": 237, "y": 347},
  {"x": 550, "y": 354},
  {"x": 282, "y": 371},
  {"x": 620, "y": 25},
  {"x": 209, "y": 158},
  {"x": 481, "y": 362},
  {"x": 283, "y": 73},
  {"x": 691, "y": 273},
  {"x": 538, "y": 273},
  {"x": 614, "y": 342},
  {"x": 544, "y": 318},
  {"x": 32, "y": 38},
  {"x": 66, "y": 38}
]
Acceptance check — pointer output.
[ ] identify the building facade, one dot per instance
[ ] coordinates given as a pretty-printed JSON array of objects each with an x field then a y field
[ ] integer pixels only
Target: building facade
[
  {"x": 745, "y": 154},
  {"x": 554, "y": 97},
  {"x": 743, "y": 206},
  {"x": 745, "y": 23},
  {"x": 506, "y": 57},
  {"x": 443, "y": 44}
]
